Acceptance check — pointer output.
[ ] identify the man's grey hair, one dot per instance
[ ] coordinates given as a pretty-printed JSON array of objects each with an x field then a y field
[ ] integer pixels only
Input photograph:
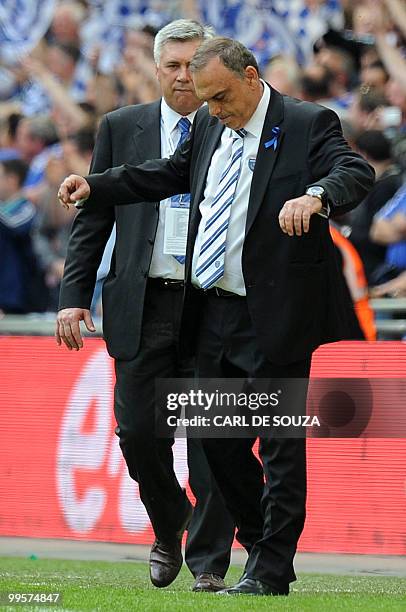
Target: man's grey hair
[
  {"x": 43, "y": 128},
  {"x": 230, "y": 52},
  {"x": 180, "y": 30}
]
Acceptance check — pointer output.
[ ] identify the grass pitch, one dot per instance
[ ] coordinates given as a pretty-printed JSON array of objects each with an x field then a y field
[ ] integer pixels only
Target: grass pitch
[{"x": 89, "y": 585}]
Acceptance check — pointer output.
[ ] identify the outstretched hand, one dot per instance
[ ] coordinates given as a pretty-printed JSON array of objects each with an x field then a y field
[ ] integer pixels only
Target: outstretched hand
[{"x": 73, "y": 189}]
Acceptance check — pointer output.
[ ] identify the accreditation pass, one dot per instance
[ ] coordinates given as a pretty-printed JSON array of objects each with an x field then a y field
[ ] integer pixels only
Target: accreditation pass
[{"x": 176, "y": 224}]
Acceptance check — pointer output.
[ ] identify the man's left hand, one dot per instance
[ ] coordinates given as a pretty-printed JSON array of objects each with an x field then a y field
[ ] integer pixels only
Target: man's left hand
[{"x": 295, "y": 214}]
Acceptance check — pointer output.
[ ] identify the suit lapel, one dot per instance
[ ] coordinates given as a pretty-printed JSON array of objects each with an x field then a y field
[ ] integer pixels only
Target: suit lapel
[
  {"x": 266, "y": 157},
  {"x": 209, "y": 146},
  {"x": 147, "y": 134}
]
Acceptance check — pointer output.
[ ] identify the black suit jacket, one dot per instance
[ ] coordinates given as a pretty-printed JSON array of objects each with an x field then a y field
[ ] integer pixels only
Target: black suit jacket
[
  {"x": 294, "y": 285},
  {"x": 128, "y": 135}
]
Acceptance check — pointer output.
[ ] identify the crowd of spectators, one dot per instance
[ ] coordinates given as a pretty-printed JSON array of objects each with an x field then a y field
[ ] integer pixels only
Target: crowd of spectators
[{"x": 52, "y": 99}]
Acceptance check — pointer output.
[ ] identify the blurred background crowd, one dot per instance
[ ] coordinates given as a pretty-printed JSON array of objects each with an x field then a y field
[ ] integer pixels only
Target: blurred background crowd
[{"x": 65, "y": 63}]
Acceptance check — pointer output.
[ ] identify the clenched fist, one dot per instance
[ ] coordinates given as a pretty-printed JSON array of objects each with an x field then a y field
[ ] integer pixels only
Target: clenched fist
[{"x": 73, "y": 189}]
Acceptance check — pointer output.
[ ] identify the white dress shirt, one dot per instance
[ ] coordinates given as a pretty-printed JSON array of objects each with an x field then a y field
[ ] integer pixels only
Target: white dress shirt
[
  {"x": 166, "y": 266},
  {"x": 233, "y": 280}
]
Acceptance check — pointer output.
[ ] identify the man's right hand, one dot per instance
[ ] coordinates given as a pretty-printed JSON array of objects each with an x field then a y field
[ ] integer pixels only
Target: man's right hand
[
  {"x": 73, "y": 189},
  {"x": 67, "y": 327}
]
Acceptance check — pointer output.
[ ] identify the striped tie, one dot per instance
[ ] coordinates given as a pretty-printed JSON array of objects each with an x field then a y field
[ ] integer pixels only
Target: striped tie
[
  {"x": 184, "y": 127},
  {"x": 210, "y": 263},
  {"x": 182, "y": 199}
]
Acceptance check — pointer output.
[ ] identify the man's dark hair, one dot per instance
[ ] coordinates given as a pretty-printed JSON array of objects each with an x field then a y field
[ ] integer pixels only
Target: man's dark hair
[
  {"x": 374, "y": 144},
  {"x": 16, "y": 167},
  {"x": 231, "y": 53},
  {"x": 84, "y": 140}
]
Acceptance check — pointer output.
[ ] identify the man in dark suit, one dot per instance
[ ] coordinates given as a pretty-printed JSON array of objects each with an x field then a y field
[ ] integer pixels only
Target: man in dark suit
[
  {"x": 142, "y": 300},
  {"x": 263, "y": 285}
]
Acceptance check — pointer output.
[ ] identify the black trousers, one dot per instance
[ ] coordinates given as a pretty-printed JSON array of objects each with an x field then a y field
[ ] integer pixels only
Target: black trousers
[
  {"x": 150, "y": 459},
  {"x": 267, "y": 498}
]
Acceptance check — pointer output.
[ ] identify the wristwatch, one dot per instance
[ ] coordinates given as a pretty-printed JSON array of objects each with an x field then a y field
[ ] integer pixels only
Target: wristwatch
[{"x": 317, "y": 191}]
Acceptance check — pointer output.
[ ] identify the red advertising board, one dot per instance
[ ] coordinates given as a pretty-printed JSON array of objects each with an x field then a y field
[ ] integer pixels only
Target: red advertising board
[{"x": 63, "y": 476}]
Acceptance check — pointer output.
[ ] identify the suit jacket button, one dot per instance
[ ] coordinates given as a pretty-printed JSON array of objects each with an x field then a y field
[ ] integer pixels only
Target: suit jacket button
[{"x": 151, "y": 240}]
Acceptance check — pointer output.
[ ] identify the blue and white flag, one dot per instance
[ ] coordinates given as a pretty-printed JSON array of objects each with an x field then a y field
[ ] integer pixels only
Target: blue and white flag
[
  {"x": 22, "y": 25},
  {"x": 272, "y": 27},
  {"x": 108, "y": 20}
]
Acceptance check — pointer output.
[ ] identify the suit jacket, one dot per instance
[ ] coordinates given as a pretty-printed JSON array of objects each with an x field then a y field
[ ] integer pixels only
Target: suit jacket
[
  {"x": 294, "y": 286},
  {"x": 131, "y": 134}
]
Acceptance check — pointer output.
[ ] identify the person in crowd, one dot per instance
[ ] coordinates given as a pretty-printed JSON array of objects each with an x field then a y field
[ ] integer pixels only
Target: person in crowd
[
  {"x": 374, "y": 76},
  {"x": 36, "y": 142},
  {"x": 8, "y": 129},
  {"x": 389, "y": 228},
  {"x": 142, "y": 300},
  {"x": 393, "y": 288},
  {"x": 66, "y": 23},
  {"x": 17, "y": 215},
  {"x": 67, "y": 29},
  {"x": 354, "y": 274},
  {"x": 105, "y": 93},
  {"x": 263, "y": 288},
  {"x": 60, "y": 105},
  {"x": 376, "y": 149},
  {"x": 341, "y": 65},
  {"x": 136, "y": 70},
  {"x": 283, "y": 73},
  {"x": 52, "y": 229},
  {"x": 316, "y": 83},
  {"x": 365, "y": 112},
  {"x": 382, "y": 28},
  {"x": 33, "y": 136},
  {"x": 56, "y": 66}
]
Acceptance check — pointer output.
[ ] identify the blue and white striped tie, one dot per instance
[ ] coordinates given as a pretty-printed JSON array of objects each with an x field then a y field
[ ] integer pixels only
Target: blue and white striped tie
[
  {"x": 210, "y": 262},
  {"x": 184, "y": 126}
]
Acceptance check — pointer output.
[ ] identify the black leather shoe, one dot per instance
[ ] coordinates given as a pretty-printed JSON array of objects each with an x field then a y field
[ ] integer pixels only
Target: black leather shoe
[
  {"x": 165, "y": 560},
  {"x": 208, "y": 583},
  {"x": 251, "y": 586}
]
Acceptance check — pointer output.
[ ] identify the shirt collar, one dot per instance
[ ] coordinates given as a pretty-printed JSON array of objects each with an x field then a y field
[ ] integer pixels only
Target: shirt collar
[
  {"x": 171, "y": 117},
  {"x": 256, "y": 123}
]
